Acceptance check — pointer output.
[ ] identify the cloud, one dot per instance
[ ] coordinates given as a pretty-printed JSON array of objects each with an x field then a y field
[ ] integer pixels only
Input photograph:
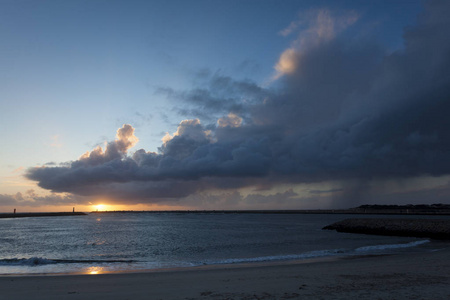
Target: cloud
[
  {"x": 215, "y": 96},
  {"x": 190, "y": 135},
  {"x": 232, "y": 120},
  {"x": 32, "y": 199},
  {"x": 278, "y": 198},
  {"x": 125, "y": 139},
  {"x": 343, "y": 110},
  {"x": 318, "y": 27}
]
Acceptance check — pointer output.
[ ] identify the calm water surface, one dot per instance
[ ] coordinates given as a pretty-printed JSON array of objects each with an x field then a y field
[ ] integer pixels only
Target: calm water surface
[{"x": 132, "y": 241}]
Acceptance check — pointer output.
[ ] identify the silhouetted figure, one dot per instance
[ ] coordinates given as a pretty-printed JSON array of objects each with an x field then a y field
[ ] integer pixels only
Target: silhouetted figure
[
  {"x": 73, "y": 210},
  {"x": 14, "y": 210}
]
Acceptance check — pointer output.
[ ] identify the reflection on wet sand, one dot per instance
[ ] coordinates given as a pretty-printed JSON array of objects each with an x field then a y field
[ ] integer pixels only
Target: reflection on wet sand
[{"x": 94, "y": 270}]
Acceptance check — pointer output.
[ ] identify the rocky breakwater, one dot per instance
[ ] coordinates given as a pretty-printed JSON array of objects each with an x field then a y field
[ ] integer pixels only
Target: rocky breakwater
[
  {"x": 435, "y": 229},
  {"x": 30, "y": 215}
]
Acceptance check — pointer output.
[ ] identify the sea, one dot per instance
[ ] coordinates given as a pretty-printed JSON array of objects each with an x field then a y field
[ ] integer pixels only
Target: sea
[{"x": 133, "y": 242}]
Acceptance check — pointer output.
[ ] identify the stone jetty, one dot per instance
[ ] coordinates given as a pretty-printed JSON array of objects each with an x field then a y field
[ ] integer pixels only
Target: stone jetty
[
  {"x": 435, "y": 229},
  {"x": 28, "y": 215}
]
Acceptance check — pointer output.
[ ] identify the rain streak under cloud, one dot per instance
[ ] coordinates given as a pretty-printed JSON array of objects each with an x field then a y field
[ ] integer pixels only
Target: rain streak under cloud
[{"x": 338, "y": 108}]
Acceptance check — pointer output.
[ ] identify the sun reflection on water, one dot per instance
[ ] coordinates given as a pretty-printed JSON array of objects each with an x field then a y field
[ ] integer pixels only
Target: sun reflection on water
[{"x": 94, "y": 270}]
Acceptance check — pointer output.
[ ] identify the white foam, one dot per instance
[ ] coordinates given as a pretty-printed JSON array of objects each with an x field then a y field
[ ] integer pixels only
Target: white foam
[
  {"x": 391, "y": 246},
  {"x": 312, "y": 254},
  {"x": 319, "y": 253}
]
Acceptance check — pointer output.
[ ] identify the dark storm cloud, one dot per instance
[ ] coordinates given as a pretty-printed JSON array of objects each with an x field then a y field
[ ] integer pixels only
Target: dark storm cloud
[
  {"x": 278, "y": 198},
  {"x": 344, "y": 111},
  {"x": 329, "y": 79},
  {"x": 218, "y": 95}
]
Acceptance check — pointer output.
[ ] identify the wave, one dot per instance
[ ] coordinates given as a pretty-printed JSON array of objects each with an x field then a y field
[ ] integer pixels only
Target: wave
[
  {"x": 38, "y": 261},
  {"x": 392, "y": 246},
  {"x": 322, "y": 253},
  {"x": 306, "y": 255},
  {"x": 32, "y": 261}
]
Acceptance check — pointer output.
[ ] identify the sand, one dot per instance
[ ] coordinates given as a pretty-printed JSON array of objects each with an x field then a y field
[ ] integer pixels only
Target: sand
[{"x": 407, "y": 276}]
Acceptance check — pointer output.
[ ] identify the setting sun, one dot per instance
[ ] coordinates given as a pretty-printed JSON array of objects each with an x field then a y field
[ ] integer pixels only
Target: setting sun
[{"x": 100, "y": 207}]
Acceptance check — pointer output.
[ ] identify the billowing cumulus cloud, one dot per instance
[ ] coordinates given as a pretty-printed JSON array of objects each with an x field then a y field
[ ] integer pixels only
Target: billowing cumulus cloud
[
  {"x": 232, "y": 120},
  {"x": 343, "y": 110},
  {"x": 317, "y": 28},
  {"x": 125, "y": 139}
]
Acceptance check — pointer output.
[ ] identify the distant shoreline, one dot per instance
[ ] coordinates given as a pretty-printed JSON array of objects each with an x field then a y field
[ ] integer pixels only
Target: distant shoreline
[
  {"x": 430, "y": 210},
  {"x": 314, "y": 211},
  {"x": 43, "y": 214}
]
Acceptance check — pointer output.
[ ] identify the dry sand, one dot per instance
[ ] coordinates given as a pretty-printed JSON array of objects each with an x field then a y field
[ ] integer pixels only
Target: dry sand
[{"x": 409, "y": 276}]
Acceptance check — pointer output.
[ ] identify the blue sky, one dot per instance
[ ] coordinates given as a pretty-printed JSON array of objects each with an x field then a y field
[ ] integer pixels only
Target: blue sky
[{"x": 73, "y": 72}]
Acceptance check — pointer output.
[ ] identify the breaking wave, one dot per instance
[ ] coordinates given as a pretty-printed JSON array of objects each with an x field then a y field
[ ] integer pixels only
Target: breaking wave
[
  {"x": 38, "y": 261},
  {"x": 323, "y": 253},
  {"x": 392, "y": 246}
]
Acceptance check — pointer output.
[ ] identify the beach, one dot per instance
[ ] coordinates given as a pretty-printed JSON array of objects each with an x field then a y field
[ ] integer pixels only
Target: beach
[{"x": 401, "y": 276}]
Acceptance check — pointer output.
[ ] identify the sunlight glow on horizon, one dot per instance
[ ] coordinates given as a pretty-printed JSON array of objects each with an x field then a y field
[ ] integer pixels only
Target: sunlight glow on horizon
[{"x": 102, "y": 207}]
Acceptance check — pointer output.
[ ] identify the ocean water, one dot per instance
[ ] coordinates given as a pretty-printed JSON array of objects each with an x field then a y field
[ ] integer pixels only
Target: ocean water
[{"x": 110, "y": 242}]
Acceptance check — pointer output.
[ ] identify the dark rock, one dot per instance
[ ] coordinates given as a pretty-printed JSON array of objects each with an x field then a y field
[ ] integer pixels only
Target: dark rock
[
  {"x": 435, "y": 229},
  {"x": 29, "y": 215}
]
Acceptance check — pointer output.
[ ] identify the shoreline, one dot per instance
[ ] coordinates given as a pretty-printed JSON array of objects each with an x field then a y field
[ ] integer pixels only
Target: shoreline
[
  {"x": 314, "y": 256},
  {"x": 401, "y": 212},
  {"x": 354, "y": 211},
  {"x": 203, "y": 267},
  {"x": 400, "y": 276}
]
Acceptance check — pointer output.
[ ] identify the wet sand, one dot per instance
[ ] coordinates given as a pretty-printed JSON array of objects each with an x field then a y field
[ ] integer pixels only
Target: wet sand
[{"x": 408, "y": 276}]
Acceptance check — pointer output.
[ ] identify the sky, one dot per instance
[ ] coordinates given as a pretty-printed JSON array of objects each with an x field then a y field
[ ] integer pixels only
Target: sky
[{"x": 223, "y": 104}]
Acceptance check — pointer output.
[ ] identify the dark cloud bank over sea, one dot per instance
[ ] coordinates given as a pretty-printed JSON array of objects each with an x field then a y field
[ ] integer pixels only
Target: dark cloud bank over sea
[{"x": 342, "y": 109}]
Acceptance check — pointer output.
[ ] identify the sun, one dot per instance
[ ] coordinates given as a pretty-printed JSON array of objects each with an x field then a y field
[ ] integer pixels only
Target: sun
[{"x": 100, "y": 207}]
